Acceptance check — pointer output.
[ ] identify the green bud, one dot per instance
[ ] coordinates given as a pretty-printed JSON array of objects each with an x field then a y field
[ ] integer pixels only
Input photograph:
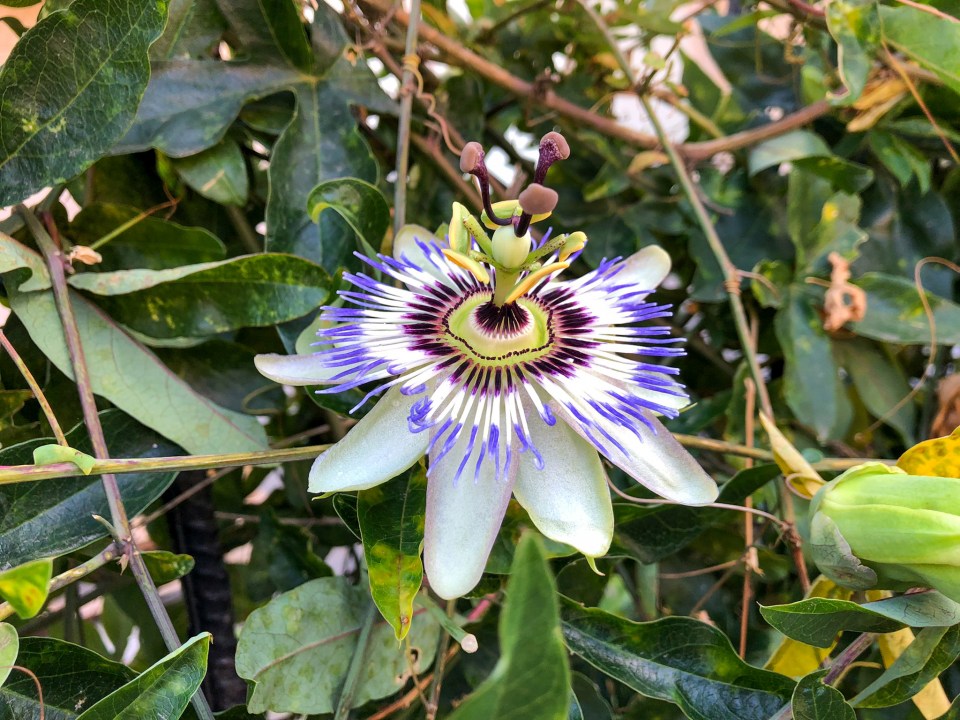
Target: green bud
[{"x": 877, "y": 526}]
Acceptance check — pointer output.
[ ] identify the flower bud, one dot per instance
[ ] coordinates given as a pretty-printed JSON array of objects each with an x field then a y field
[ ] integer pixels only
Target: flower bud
[{"x": 875, "y": 526}]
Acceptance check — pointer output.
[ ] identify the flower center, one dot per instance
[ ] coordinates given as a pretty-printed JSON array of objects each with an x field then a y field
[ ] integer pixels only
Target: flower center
[{"x": 493, "y": 335}]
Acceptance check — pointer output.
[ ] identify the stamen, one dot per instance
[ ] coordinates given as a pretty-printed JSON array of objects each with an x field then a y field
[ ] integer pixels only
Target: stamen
[
  {"x": 475, "y": 268},
  {"x": 533, "y": 278},
  {"x": 471, "y": 161},
  {"x": 534, "y": 200},
  {"x": 553, "y": 147}
]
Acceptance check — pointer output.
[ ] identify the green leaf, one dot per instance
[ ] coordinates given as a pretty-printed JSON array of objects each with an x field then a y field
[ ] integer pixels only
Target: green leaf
[
  {"x": 812, "y": 700},
  {"x": 901, "y": 158},
  {"x": 676, "y": 659},
  {"x": 391, "y": 519},
  {"x": 15, "y": 257},
  {"x": 592, "y": 704},
  {"x": 296, "y": 649},
  {"x": 190, "y": 104},
  {"x": 895, "y": 313},
  {"x": 270, "y": 29},
  {"x": 817, "y": 621},
  {"x": 283, "y": 558},
  {"x": 932, "y": 651},
  {"x": 812, "y": 386},
  {"x": 855, "y": 25},
  {"x": 133, "y": 379},
  {"x": 837, "y": 232},
  {"x": 218, "y": 173},
  {"x": 193, "y": 29},
  {"x": 9, "y": 647},
  {"x": 954, "y": 712},
  {"x": 165, "y": 566},
  {"x": 531, "y": 680},
  {"x": 162, "y": 691},
  {"x": 209, "y": 298},
  {"x": 72, "y": 678},
  {"x": 808, "y": 151},
  {"x": 880, "y": 383},
  {"x": 147, "y": 242},
  {"x": 26, "y": 586},
  {"x": 516, "y": 523},
  {"x": 50, "y": 454},
  {"x": 54, "y": 123},
  {"x": 359, "y": 203},
  {"x": 925, "y": 38},
  {"x": 53, "y": 517},
  {"x": 651, "y": 533}
]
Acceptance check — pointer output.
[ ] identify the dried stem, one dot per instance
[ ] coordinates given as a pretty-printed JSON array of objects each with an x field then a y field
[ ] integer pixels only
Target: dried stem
[{"x": 118, "y": 514}]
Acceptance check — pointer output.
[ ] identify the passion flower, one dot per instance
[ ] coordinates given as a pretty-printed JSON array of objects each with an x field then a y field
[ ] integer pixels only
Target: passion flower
[
  {"x": 508, "y": 379},
  {"x": 875, "y": 526}
]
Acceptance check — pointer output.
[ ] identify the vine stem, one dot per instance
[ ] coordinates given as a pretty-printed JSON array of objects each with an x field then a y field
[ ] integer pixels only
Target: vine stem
[
  {"x": 34, "y": 388},
  {"x": 350, "y": 684},
  {"x": 407, "y": 91},
  {"x": 12, "y": 474},
  {"x": 118, "y": 513}
]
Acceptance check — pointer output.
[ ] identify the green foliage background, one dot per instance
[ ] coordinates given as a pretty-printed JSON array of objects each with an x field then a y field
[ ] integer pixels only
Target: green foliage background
[{"x": 227, "y": 158}]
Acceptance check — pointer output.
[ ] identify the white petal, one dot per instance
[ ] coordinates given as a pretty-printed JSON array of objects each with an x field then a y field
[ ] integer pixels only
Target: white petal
[
  {"x": 377, "y": 448},
  {"x": 646, "y": 268},
  {"x": 463, "y": 520},
  {"x": 406, "y": 247},
  {"x": 657, "y": 461},
  {"x": 568, "y": 500},
  {"x": 295, "y": 369}
]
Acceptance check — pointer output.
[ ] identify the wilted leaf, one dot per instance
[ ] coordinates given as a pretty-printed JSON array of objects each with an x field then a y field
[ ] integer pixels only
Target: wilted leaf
[{"x": 937, "y": 457}]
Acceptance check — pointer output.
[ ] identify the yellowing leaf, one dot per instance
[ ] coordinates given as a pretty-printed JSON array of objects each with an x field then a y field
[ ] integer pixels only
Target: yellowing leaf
[
  {"x": 803, "y": 477},
  {"x": 26, "y": 587},
  {"x": 939, "y": 457}
]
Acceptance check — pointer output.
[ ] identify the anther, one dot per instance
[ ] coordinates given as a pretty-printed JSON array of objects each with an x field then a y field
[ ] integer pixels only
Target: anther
[
  {"x": 471, "y": 161},
  {"x": 553, "y": 147},
  {"x": 534, "y": 200}
]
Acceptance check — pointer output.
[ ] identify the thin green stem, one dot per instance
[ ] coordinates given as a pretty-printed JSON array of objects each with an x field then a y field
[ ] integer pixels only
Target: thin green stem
[
  {"x": 118, "y": 513},
  {"x": 35, "y": 388},
  {"x": 349, "y": 691},
  {"x": 248, "y": 236},
  {"x": 31, "y": 473},
  {"x": 407, "y": 91},
  {"x": 108, "y": 554}
]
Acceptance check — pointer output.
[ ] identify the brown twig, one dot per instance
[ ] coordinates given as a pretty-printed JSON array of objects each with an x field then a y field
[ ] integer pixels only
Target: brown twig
[
  {"x": 118, "y": 514},
  {"x": 459, "y": 54}
]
